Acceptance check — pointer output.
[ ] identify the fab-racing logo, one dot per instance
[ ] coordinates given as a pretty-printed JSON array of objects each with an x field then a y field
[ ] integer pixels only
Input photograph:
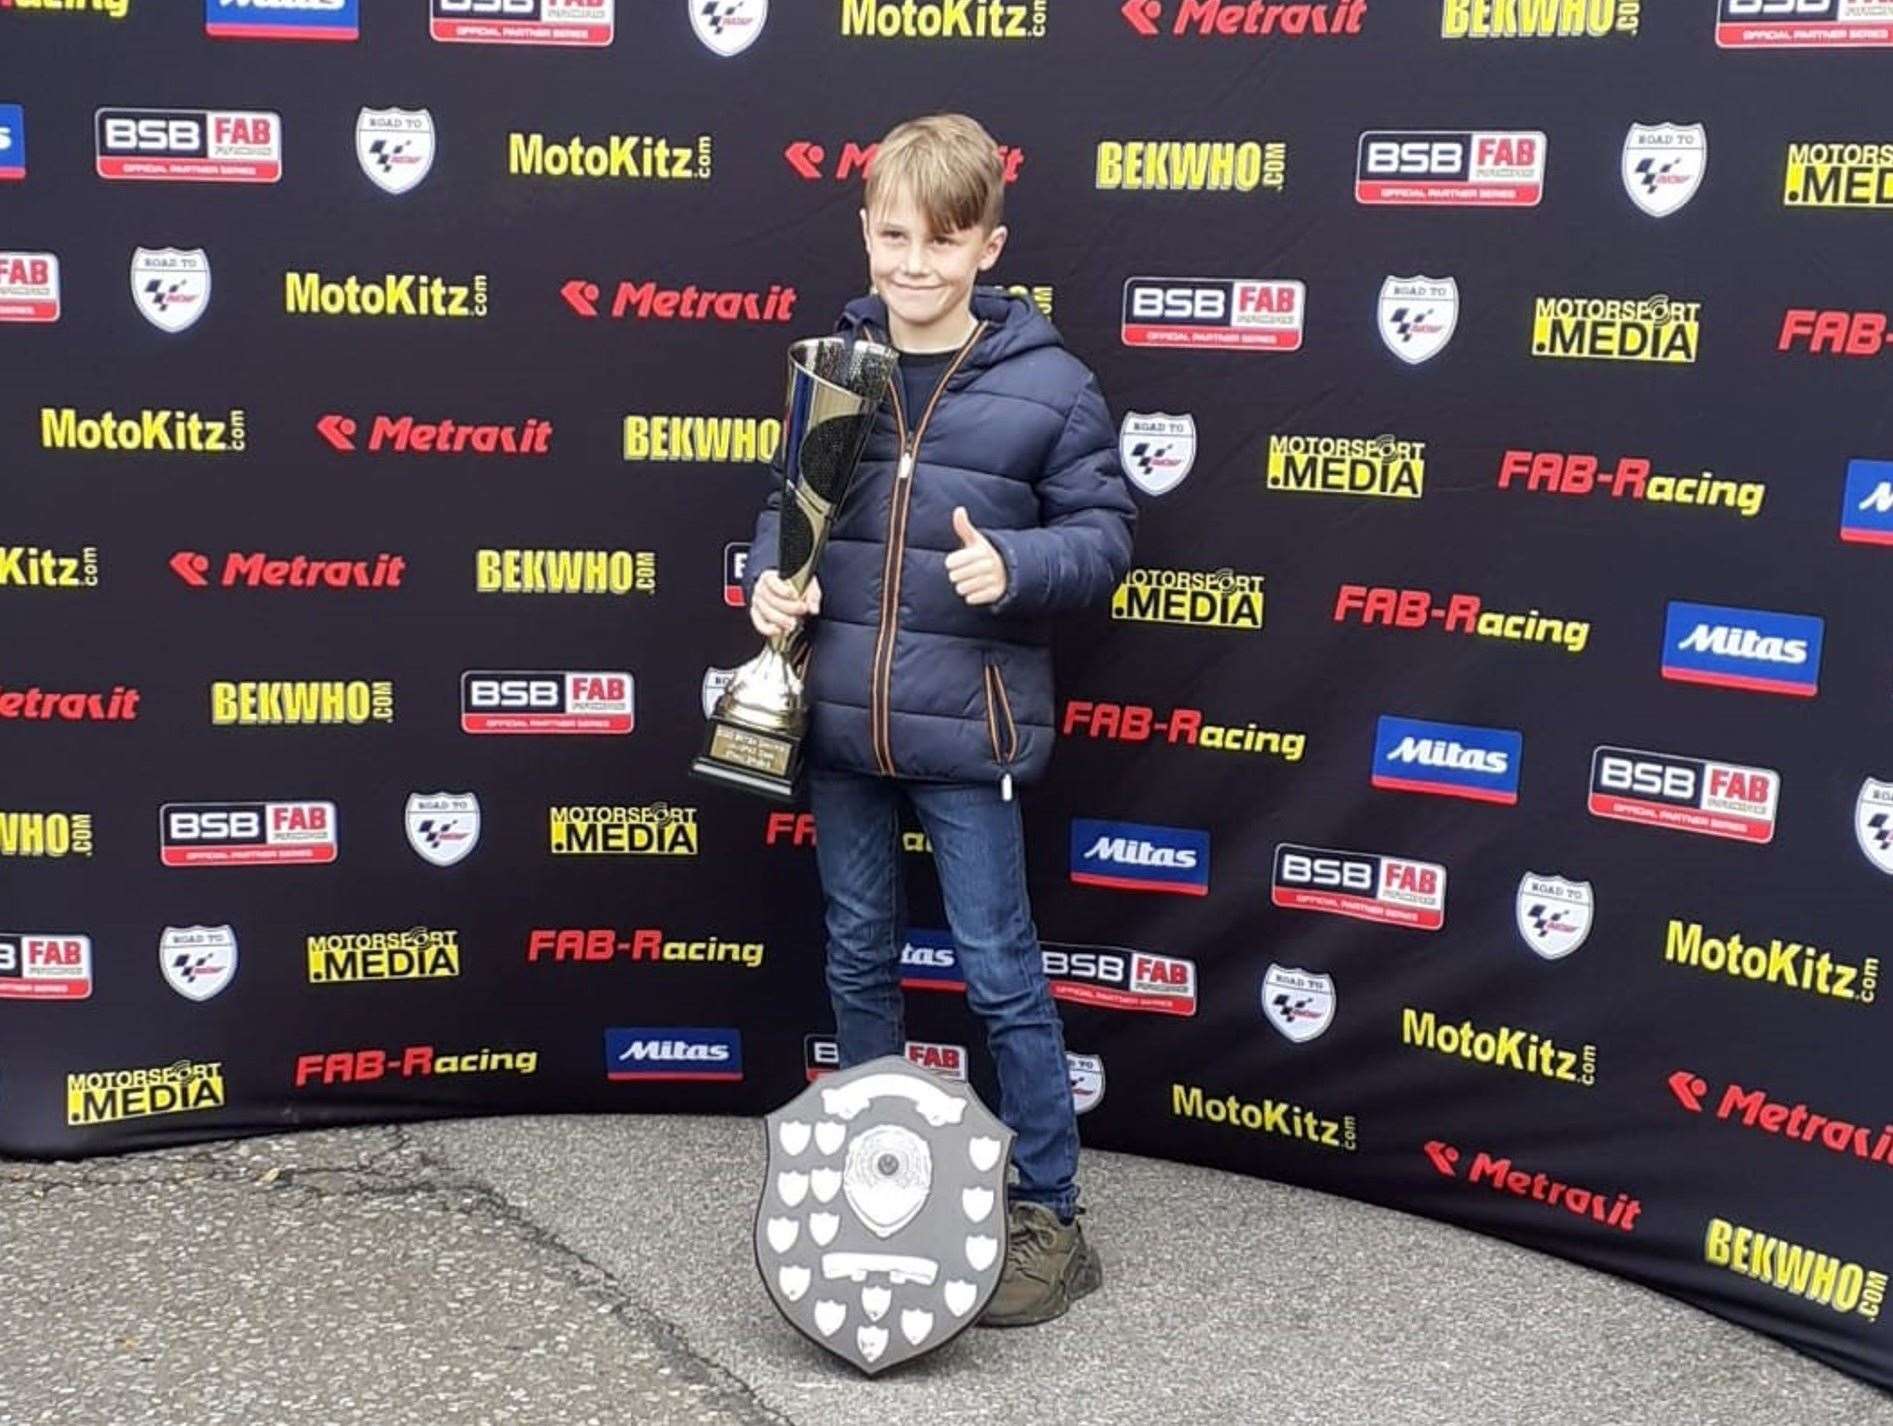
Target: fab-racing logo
[
  {"x": 554, "y": 944},
  {"x": 1839, "y": 175},
  {"x": 257, "y": 569},
  {"x": 643, "y": 157},
  {"x": 810, "y": 160},
  {"x": 1384, "y": 466},
  {"x": 1786, "y": 965},
  {"x": 287, "y": 703},
  {"x": 45, "y": 834},
  {"x": 1498, "y": 1174},
  {"x": 1459, "y": 169},
  {"x": 1132, "y": 856},
  {"x": 1205, "y": 166},
  {"x": 1219, "y": 599},
  {"x": 410, "y": 435},
  {"x": 1447, "y": 759},
  {"x": 1539, "y": 19},
  {"x": 391, "y": 295},
  {"x": 247, "y": 834},
  {"x": 1366, "y": 886},
  {"x": 1753, "y": 649},
  {"x": 1272, "y": 18},
  {"x": 1458, "y": 614},
  {"x": 1652, "y": 329},
  {"x": 1825, "y": 1281},
  {"x": 110, "y": 9},
  {"x": 1631, "y": 478},
  {"x": 409, "y": 1062},
  {"x": 108, "y": 1096},
  {"x": 673, "y": 1053},
  {"x": 1753, "y": 1109},
  {"x": 1118, "y": 978},
  {"x": 37, "y": 567},
  {"x": 41, "y": 965},
  {"x": 497, "y": 701},
  {"x": 744, "y": 439},
  {"x": 1280, "y": 1117},
  {"x": 419, "y": 953},
  {"x": 1803, "y": 24},
  {"x": 590, "y": 23},
  {"x": 1685, "y": 794},
  {"x": 564, "y": 572},
  {"x": 943, "y": 19},
  {"x": 822, "y": 1055},
  {"x": 797, "y": 829},
  {"x": 1502, "y": 1047},
  {"x": 658, "y": 830},
  {"x": 1834, "y": 333},
  {"x": 1139, "y": 723},
  {"x": 143, "y": 432},
  {"x": 40, "y": 705},
  {"x": 646, "y": 301}
]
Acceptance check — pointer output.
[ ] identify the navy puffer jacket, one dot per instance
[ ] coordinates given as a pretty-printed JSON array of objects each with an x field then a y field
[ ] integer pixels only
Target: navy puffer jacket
[{"x": 905, "y": 679}]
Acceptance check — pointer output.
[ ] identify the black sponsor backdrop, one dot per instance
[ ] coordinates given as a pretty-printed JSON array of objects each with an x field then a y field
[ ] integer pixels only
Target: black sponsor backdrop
[{"x": 1792, "y": 421}]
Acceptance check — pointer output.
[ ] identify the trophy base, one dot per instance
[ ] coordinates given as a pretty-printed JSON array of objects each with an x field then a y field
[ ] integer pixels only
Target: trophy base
[{"x": 747, "y": 758}]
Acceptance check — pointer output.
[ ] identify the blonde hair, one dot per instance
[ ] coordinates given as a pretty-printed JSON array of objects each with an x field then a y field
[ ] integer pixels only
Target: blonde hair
[{"x": 949, "y": 163}]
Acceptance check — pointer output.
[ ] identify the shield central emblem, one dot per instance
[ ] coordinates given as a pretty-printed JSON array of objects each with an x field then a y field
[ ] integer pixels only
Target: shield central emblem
[
  {"x": 171, "y": 286},
  {"x": 728, "y": 26},
  {"x": 443, "y": 826},
  {"x": 198, "y": 961},
  {"x": 1298, "y": 1003},
  {"x": 1663, "y": 165},
  {"x": 1418, "y": 315},
  {"x": 1873, "y": 823},
  {"x": 1157, "y": 449},
  {"x": 881, "y": 1230},
  {"x": 395, "y": 146},
  {"x": 1554, "y": 915}
]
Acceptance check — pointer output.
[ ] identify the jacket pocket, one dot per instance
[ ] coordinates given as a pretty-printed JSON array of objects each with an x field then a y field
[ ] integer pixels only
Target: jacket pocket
[{"x": 999, "y": 725}]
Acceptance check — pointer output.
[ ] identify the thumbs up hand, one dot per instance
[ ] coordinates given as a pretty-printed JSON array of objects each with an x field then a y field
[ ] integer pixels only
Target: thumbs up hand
[{"x": 977, "y": 571}]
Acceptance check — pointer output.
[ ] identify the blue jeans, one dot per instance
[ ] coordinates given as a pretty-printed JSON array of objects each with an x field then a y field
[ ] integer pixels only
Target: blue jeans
[{"x": 979, "y": 852}]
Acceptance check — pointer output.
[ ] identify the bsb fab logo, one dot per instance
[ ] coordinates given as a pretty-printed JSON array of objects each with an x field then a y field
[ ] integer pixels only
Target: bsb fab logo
[
  {"x": 1866, "y": 510},
  {"x": 498, "y": 702},
  {"x": 1130, "y": 856},
  {"x": 1753, "y": 649},
  {"x": 1239, "y": 17},
  {"x": 29, "y": 287},
  {"x": 1249, "y": 314},
  {"x": 1539, "y": 19},
  {"x": 246, "y": 834},
  {"x": 589, "y": 23},
  {"x": 1653, "y": 329},
  {"x": 39, "y": 965},
  {"x": 1803, "y": 24},
  {"x": 1463, "y": 169},
  {"x": 282, "y": 19},
  {"x": 12, "y": 143},
  {"x": 1685, "y": 794},
  {"x": 189, "y": 145},
  {"x": 1363, "y": 885},
  {"x": 1448, "y": 759}
]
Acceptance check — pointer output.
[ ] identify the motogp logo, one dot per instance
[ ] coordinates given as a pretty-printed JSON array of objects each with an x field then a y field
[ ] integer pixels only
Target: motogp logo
[
  {"x": 1418, "y": 315},
  {"x": 728, "y": 27},
  {"x": 1157, "y": 450},
  {"x": 395, "y": 147},
  {"x": 1554, "y": 915},
  {"x": 170, "y": 287},
  {"x": 1663, "y": 165}
]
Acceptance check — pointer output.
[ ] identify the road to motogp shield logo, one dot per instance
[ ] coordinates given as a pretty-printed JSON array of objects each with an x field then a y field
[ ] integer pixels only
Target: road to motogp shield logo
[
  {"x": 395, "y": 146},
  {"x": 728, "y": 26},
  {"x": 1554, "y": 915},
  {"x": 1663, "y": 165},
  {"x": 1087, "y": 1080},
  {"x": 1418, "y": 315},
  {"x": 443, "y": 826},
  {"x": 170, "y": 286},
  {"x": 1299, "y": 1003},
  {"x": 1873, "y": 823},
  {"x": 198, "y": 961},
  {"x": 1157, "y": 449}
]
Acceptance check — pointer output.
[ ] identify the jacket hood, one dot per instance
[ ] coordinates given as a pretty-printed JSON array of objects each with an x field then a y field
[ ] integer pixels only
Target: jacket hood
[{"x": 1014, "y": 325}]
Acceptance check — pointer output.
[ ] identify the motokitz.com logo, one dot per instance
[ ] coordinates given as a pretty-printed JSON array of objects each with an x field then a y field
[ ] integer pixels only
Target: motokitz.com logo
[
  {"x": 943, "y": 19},
  {"x": 653, "y": 157},
  {"x": 143, "y": 432},
  {"x": 1264, "y": 19},
  {"x": 390, "y": 295},
  {"x": 36, "y": 567}
]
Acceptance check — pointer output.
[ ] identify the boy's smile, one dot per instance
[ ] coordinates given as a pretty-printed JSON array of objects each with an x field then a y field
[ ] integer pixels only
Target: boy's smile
[{"x": 925, "y": 278}]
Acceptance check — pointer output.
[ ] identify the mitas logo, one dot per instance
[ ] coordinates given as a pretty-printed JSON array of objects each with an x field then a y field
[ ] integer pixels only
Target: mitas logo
[
  {"x": 523, "y": 22},
  {"x": 12, "y": 143},
  {"x": 1653, "y": 329},
  {"x": 1539, "y": 19},
  {"x": 1384, "y": 466},
  {"x": 1448, "y": 759},
  {"x": 259, "y": 570},
  {"x": 1454, "y": 169},
  {"x": 1803, "y": 24},
  {"x": 811, "y": 162},
  {"x": 282, "y": 19},
  {"x": 1753, "y": 649},
  {"x": 1263, "y": 18},
  {"x": 1208, "y": 166},
  {"x": 1363, "y": 885},
  {"x": 943, "y": 19},
  {"x": 1685, "y": 794},
  {"x": 412, "y": 435},
  {"x": 29, "y": 287},
  {"x": 501, "y": 702},
  {"x": 1131, "y": 856},
  {"x": 1866, "y": 507},
  {"x": 632, "y": 156},
  {"x": 671, "y": 1053},
  {"x": 246, "y": 834},
  {"x": 646, "y": 301},
  {"x": 189, "y": 145},
  {"x": 1630, "y": 478},
  {"x": 45, "y": 965},
  {"x": 1252, "y": 314}
]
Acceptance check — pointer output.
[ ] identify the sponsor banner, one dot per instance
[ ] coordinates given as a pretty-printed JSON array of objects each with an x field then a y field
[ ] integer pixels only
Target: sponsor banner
[
  {"x": 395, "y": 147},
  {"x": 247, "y": 834},
  {"x": 493, "y": 701},
  {"x": 1685, "y": 794},
  {"x": 1753, "y": 649},
  {"x": 308, "y": 702},
  {"x": 1249, "y": 314},
  {"x": 1363, "y": 885},
  {"x": 1207, "y": 599},
  {"x": 29, "y": 287},
  {"x": 1804, "y": 24},
  {"x": 585, "y": 23},
  {"x": 45, "y": 965},
  {"x": 1132, "y": 856},
  {"x": 189, "y": 145},
  {"x": 1645, "y": 329},
  {"x": 1497, "y": 1173},
  {"x": 109, "y": 1096},
  {"x": 673, "y": 1053},
  {"x": 170, "y": 287},
  {"x": 282, "y": 19},
  {"x": 442, "y": 827},
  {"x": 1866, "y": 509},
  {"x": 1447, "y": 759},
  {"x": 1450, "y": 169},
  {"x": 1633, "y": 478},
  {"x": 1383, "y": 466},
  {"x": 810, "y": 160},
  {"x": 1279, "y": 1117}
]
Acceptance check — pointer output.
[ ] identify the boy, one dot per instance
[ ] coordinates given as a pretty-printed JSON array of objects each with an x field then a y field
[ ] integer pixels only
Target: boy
[{"x": 989, "y": 498}]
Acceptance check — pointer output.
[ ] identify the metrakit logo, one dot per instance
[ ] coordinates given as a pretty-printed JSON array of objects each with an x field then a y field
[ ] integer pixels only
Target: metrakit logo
[
  {"x": 1264, "y": 19},
  {"x": 407, "y": 434},
  {"x": 647, "y": 301},
  {"x": 41, "y": 705},
  {"x": 258, "y": 569}
]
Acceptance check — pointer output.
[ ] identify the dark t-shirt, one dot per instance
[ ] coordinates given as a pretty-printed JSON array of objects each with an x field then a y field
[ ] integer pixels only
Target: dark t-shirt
[{"x": 920, "y": 372}]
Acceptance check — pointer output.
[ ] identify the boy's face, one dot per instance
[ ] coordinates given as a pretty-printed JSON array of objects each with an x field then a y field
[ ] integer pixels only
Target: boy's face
[{"x": 926, "y": 278}]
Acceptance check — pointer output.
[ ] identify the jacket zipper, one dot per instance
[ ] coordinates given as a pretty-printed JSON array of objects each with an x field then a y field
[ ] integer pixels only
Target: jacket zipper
[
  {"x": 997, "y": 704},
  {"x": 882, "y": 674}
]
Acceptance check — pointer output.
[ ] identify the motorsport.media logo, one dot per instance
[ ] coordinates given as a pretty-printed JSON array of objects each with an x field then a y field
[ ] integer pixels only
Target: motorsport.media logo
[
  {"x": 616, "y": 572},
  {"x": 189, "y": 145},
  {"x": 1684, "y": 794},
  {"x": 678, "y": 437},
  {"x": 647, "y": 300},
  {"x": 1753, "y": 649},
  {"x": 36, "y": 567},
  {"x": 407, "y": 434},
  {"x": 821, "y": 1055},
  {"x": 1365, "y": 886},
  {"x": 1273, "y": 19},
  {"x": 40, "y": 705},
  {"x": 1866, "y": 508},
  {"x": 29, "y": 287},
  {"x": 1139, "y": 723},
  {"x": 45, "y": 965},
  {"x": 1131, "y": 856},
  {"x": 110, "y": 1096},
  {"x": 1504, "y": 1047},
  {"x": 1787, "y": 965},
  {"x": 493, "y": 701},
  {"x": 45, "y": 834},
  {"x": 809, "y": 159},
  {"x": 1632, "y": 477},
  {"x": 1803, "y": 24},
  {"x": 371, "y": 1065},
  {"x": 199, "y": 834},
  {"x": 1502, "y": 168},
  {"x": 673, "y": 1053},
  {"x": 586, "y": 23},
  {"x": 12, "y": 143},
  {"x": 943, "y": 19},
  {"x": 1837, "y": 333},
  {"x": 1191, "y": 165},
  {"x": 592, "y": 944},
  {"x": 111, "y": 9},
  {"x": 1208, "y": 599},
  {"x": 1447, "y": 759},
  {"x": 361, "y": 957},
  {"x": 1647, "y": 329},
  {"x": 1249, "y": 314},
  {"x": 1497, "y": 1173},
  {"x": 285, "y": 703},
  {"x": 1107, "y": 977},
  {"x": 1383, "y": 466},
  {"x": 257, "y": 569},
  {"x": 282, "y": 19},
  {"x": 1839, "y": 174},
  {"x": 653, "y": 157},
  {"x": 390, "y": 295},
  {"x": 1460, "y": 614},
  {"x": 658, "y": 830},
  {"x": 1539, "y": 19},
  {"x": 1754, "y": 1109}
]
